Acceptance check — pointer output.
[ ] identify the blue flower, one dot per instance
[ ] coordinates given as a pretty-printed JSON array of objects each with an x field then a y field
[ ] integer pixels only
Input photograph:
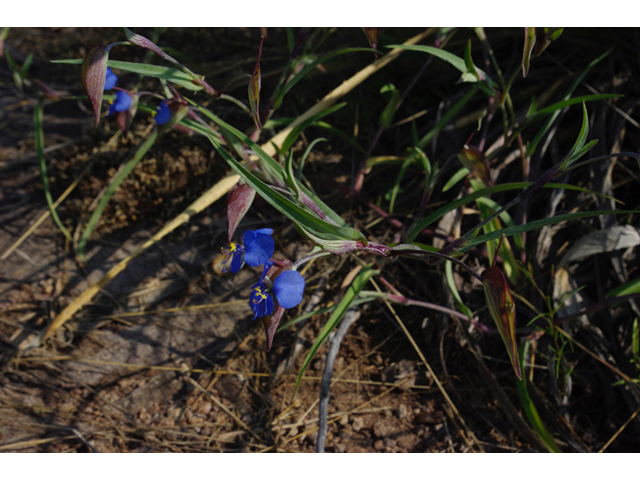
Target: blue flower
[
  {"x": 287, "y": 288},
  {"x": 257, "y": 249},
  {"x": 110, "y": 80},
  {"x": 122, "y": 103},
  {"x": 162, "y": 114}
]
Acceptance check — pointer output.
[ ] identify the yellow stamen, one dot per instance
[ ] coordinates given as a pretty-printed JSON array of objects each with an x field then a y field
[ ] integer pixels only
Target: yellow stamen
[{"x": 260, "y": 293}]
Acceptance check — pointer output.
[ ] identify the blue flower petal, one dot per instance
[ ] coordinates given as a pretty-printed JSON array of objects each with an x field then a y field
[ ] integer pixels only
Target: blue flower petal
[
  {"x": 123, "y": 101},
  {"x": 163, "y": 113},
  {"x": 260, "y": 301},
  {"x": 236, "y": 262},
  {"x": 110, "y": 80},
  {"x": 258, "y": 247},
  {"x": 288, "y": 288}
]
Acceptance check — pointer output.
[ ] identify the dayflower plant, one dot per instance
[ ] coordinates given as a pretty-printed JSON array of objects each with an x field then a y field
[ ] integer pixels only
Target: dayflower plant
[
  {"x": 287, "y": 287},
  {"x": 257, "y": 249}
]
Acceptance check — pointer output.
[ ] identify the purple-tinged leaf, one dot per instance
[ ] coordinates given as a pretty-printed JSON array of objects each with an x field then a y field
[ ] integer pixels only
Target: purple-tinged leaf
[
  {"x": 545, "y": 38},
  {"x": 271, "y": 325},
  {"x": 503, "y": 311},
  {"x": 239, "y": 200},
  {"x": 529, "y": 42},
  {"x": 93, "y": 75},
  {"x": 144, "y": 42},
  {"x": 254, "y": 90},
  {"x": 475, "y": 161}
]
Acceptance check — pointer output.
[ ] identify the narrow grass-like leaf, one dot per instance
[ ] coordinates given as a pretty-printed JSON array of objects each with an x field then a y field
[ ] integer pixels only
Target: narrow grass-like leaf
[
  {"x": 504, "y": 216},
  {"x": 448, "y": 267},
  {"x": 305, "y": 155},
  {"x": 111, "y": 189},
  {"x": 306, "y": 220},
  {"x": 293, "y": 135},
  {"x": 446, "y": 118},
  {"x": 529, "y": 408},
  {"x": 539, "y": 224},
  {"x": 471, "y": 73},
  {"x": 300, "y": 75},
  {"x": 413, "y": 232},
  {"x": 42, "y": 164},
  {"x": 392, "y": 105},
  {"x": 573, "y": 101},
  {"x": 448, "y": 57},
  {"x": 455, "y": 178},
  {"x": 269, "y": 163},
  {"x": 529, "y": 42},
  {"x": 321, "y": 311},
  {"x": 582, "y": 136},
  {"x": 531, "y": 147},
  {"x": 627, "y": 289},
  {"x": 170, "y": 74},
  {"x": 396, "y": 186},
  {"x": 347, "y": 301}
]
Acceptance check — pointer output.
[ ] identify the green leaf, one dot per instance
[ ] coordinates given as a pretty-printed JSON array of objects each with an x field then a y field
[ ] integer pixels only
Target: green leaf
[
  {"x": 529, "y": 408},
  {"x": 42, "y": 164},
  {"x": 413, "y": 231},
  {"x": 347, "y": 301},
  {"x": 446, "y": 118},
  {"x": 111, "y": 189},
  {"x": 539, "y": 224},
  {"x": 504, "y": 216},
  {"x": 396, "y": 186},
  {"x": 454, "y": 291},
  {"x": 321, "y": 311},
  {"x": 455, "y": 178},
  {"x": 305, "y": 155},
  {"x": 392, "y": 105},
  {"x": 471, "y": 73},
  {"x": 293, "y": 135},
  {"x": 171, "y": 74},
  {"x": 267, "y": 163},
  {"x": 582, "y": 136},
  {"x": 308, "y": 221},
  {"x": 529, "y": 42},
  {"x": 455, "y": 61},
  {"x": 300, "y": 75},
  {"x": 547, "y": 125},
  {"x": 627, "y": 289}
]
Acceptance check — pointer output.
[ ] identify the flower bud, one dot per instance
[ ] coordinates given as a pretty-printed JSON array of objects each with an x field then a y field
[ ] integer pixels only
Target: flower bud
[
  {"x": 503, "y": 311},
  {"x": 474, "y": 160},
  {"x": 239, "y": 200},
  {"x": 93, "y": 75}
]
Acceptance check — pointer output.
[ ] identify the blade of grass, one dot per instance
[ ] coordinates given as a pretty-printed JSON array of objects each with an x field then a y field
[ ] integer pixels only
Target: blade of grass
[
  {"x": 170, "y": 74},
  {"x": 39, "y": 132},
  {"x": 113, "y": 186},
  {"x": 413, "y": 232},
  {"x": 529, "y": 408},
  {"x": 539, "y": 224},
  {"x": 347, "y": 300}
]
